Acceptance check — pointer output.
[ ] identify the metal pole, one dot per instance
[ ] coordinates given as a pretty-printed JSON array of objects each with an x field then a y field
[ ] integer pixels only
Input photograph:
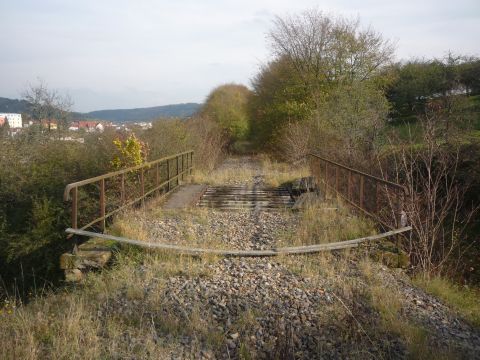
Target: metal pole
[
  {"x": 142, "y": 184},
  {"x": 362, "y": 185},
  {"x": 122, "y": 189},
  {"x": 178, "y": 180},
  {"x": 399, "y": 211},
  {"x": 74, "y": 207},
  {"x": 336, "y": 178},
  {"x": 183, "y": 160},
  {"x": 168, "y": 174},
  {"x": 326, "y": 180},
  {"x": 102, "y": 203},
  {"x": 191, "y": 163},
  {"x": 157, "y": 178},
  {"x": 349, "y": 186}
]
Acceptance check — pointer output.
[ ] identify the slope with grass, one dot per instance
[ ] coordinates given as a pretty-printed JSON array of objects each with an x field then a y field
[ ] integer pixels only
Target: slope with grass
[{"x": 160, "y": 305}]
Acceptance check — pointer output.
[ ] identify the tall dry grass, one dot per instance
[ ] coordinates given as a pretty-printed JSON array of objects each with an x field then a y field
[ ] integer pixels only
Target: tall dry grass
[{"x": 323, "y": 222}]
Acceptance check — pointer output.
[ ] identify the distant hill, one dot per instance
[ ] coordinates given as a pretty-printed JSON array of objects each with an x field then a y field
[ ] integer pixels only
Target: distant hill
[
  {"x": 114, "y": 115},
  {"x": 13, "y": 105},
  {"x": 145, "y": 114}
]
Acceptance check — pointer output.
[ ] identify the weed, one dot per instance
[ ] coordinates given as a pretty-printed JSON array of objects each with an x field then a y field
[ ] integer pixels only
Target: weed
[{"x": 462, "y": 299}]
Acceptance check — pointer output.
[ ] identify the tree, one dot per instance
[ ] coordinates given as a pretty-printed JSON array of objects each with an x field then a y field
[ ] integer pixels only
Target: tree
[
  {"x": 227, "y": 105},
  {"x": 48, "y": 105},
  {"x": 279, "y": 98},
  {"x": 350, "y": 120},
  {"x": 415, "y": 81},
  {"x": 322, "y": 64},
  {"x": 325, "y": 49},
  {"x": 419, "y": 81},
  {"x": 4, "y": 130},
  {"x": 470, "y": 76}
]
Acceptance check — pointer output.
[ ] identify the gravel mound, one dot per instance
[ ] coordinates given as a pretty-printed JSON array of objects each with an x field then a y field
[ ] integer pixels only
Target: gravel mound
[{"x": 229, "y": 230}]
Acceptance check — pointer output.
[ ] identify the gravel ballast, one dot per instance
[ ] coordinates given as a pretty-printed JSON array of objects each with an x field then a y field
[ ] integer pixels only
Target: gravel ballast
[{"x": 264, "y": 308}]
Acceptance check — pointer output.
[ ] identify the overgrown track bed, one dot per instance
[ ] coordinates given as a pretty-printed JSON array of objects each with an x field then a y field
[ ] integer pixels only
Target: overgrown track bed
[
  {"x": 161, "y": 305},
  {"x": 317, "y": 306}
]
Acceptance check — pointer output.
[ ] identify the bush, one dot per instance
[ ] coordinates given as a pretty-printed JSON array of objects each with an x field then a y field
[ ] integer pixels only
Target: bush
[
  {"x": 34, "y": 170},
  {"x": 227, "y": 105}
]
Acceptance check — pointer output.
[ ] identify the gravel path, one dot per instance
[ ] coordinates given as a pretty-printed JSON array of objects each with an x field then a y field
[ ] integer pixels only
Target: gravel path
[{"x": 263, "y": 308}]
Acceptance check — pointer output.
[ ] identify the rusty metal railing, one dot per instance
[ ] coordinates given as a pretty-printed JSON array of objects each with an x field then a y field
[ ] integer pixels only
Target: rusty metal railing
[
  {"x": 376, "y": 197},
  {"x": 105, "y": 195}
]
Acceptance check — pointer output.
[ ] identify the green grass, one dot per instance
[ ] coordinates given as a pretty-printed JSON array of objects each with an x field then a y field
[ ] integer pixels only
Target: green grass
[
  {"x": 389, "y": 303},
  {"x": 464, "y": 300}
]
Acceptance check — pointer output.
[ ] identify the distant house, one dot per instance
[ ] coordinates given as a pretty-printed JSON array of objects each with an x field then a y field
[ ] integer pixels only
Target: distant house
[
  {"x": 89, "y": 126},
  {"x": 14, "y": 120},
  {"x": 52, "y": 124}
]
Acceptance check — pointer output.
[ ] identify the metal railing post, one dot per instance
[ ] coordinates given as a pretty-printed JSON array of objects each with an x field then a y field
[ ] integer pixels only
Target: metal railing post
[
  {"x": 142, "y": 186},
  {"x": 102, "y": 203},
  {"x": 362, "y": 185},
  {"x": 349, "y": 186},
  {"x": 122, "y": 189},
  {"x": 399, "y": 213},
  {"x": 183, "y": 160},
  {"x": 326, "y": 180},
  {"x": 168, "y": 175},
  {"x": 191, "y": 163},
  {"x": 178, "y": 179},
  {"x": 74, "y": 207},
  {"x": 157, "y": 178},
  {"x": 336, "y": 178}
]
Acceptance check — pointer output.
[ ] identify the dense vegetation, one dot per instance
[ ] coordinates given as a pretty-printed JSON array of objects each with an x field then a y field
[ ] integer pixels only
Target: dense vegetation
[
  {"x": 227, "y": 106},
  {"x": 35, "y": 166},
  {"x": 332, "y": 87},
  {"x": 33, "y": 172}
]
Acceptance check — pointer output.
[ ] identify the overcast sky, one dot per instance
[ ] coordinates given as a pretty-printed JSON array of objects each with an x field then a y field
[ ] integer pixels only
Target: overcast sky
[{"x": 122, "y": 54}]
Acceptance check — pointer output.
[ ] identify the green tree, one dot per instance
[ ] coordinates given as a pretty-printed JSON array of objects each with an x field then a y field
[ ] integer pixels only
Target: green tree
[
  {"x": 4, "y": 130},
  {"x": 279, "y": 97},
  {"x": 227, "y": 105},
  {"x": 325, "y": 49},
  {"x": 419, "y": 81},
  {"x": 469, "y": 73},
  {"x": 317, "y": 57},
  {"x": 350, "y": 119}
]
